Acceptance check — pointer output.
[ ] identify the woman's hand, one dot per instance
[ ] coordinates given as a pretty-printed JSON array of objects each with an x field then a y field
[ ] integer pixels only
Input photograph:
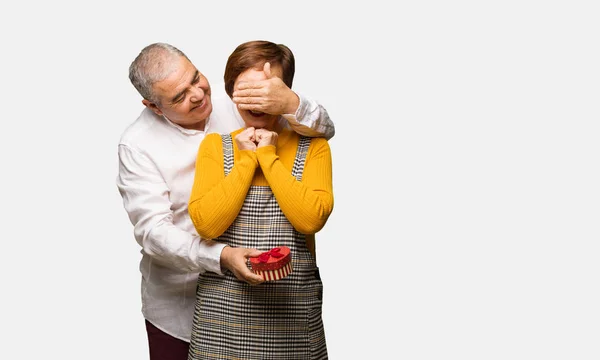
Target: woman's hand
[
  {"x": 265, "y": 138},
  {"x": 246, "y": 140}
]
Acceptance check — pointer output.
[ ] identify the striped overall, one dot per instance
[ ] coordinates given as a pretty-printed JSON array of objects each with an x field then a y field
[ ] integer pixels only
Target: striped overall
[{"x": 276, "y": 319}]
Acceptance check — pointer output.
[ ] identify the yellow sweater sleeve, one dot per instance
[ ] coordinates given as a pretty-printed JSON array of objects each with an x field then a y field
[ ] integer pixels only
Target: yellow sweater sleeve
[
  {"x": 307, "y": 204},
  {"x": 217, "y": 199}
]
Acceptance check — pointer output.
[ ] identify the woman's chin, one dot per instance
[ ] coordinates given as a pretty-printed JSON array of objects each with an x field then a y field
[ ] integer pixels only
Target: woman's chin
[{"x": 260, "y": 123}]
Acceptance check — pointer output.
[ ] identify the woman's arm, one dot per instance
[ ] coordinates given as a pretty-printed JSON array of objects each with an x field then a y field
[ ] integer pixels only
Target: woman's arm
[
  {"x": 217, "y": 199},
  {"x": 308, "y": 203}
]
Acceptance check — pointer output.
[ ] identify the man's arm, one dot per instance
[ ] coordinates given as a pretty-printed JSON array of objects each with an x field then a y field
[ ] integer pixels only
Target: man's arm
[
  {"x": 146, "y": 200},
  {"x": 310, "y": 119},
  {"x": 273, "y": 96}
]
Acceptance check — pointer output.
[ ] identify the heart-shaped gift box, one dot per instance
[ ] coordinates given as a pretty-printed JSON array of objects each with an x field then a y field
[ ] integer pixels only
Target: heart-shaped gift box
[{"x": 274, "y": 264}]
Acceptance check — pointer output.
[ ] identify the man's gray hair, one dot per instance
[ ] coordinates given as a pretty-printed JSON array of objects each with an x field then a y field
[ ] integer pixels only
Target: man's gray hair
[{"x": 154, "y": 63}]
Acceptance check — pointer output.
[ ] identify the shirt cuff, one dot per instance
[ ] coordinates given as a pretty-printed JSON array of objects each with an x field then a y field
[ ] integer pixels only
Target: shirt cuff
[
  {"x": 211, "y": 253},
  {"x": 300, "y": 112}
]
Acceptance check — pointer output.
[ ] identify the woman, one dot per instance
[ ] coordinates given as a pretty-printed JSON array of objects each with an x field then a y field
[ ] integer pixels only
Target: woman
[{"x": 262, "y": 186}]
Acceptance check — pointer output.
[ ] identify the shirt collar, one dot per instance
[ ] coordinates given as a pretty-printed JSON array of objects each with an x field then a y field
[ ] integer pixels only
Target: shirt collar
[{"x": 188, "y": 131}]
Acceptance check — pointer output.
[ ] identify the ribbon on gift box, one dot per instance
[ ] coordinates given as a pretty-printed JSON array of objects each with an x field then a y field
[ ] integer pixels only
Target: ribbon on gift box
[{"x": 274, "y": 252}]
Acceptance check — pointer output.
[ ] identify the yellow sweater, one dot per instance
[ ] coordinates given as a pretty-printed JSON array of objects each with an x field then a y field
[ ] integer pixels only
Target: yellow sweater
[{"x": 216, "y": 200}]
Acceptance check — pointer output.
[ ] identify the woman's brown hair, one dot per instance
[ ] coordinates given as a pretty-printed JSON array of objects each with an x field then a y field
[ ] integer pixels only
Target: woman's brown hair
[{"x": 254, "y": 55}]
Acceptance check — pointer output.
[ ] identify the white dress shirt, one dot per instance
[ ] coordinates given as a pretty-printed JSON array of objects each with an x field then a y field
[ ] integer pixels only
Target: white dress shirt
[{"x": 156, "y": 172}]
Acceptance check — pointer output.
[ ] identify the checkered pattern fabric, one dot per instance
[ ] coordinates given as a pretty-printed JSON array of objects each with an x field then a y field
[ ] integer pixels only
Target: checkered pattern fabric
[{"x": 273, "y": 320}]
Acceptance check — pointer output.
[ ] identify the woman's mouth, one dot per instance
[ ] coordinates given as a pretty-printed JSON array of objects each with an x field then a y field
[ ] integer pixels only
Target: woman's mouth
[{"x": 256, "y": 113}]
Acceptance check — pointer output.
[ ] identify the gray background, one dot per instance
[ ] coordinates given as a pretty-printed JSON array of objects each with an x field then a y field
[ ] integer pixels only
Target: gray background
[{"x": 465, "y": 171}]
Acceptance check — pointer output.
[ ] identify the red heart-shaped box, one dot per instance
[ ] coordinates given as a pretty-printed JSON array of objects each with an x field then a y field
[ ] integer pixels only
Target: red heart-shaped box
[{"x": 274, "y": 264}]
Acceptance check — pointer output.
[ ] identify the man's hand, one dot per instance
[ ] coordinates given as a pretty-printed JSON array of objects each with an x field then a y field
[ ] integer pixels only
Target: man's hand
[
  {"x": 265, "y": 137},
  {"x": 236, "y": 260},
  {"x": 246, "y": 140},
  {"x": 271, "y": 96}
]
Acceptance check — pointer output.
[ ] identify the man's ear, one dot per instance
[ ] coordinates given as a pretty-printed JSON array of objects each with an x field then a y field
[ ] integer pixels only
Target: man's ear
[{"x": 152, "y": 106}]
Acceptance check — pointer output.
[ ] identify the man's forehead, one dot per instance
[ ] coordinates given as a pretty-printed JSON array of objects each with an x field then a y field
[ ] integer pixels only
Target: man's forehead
[{"x": 180, "y": 78}]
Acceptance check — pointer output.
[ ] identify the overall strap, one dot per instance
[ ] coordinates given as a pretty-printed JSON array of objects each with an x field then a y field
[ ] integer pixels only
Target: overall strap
[
  {"x": 227, "y": 153},
  {"x": 298, "y": 168}
]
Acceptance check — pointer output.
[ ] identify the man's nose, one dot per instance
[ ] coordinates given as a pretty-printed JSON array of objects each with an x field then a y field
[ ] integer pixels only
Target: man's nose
[{"x": 197, "y": 94}]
